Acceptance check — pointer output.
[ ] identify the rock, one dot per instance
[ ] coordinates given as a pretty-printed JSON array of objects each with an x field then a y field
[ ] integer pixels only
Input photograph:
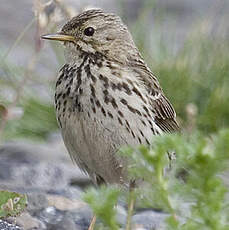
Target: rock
[
  {"x": 27, "y": 222},
  {"x": 59, "y": 212},
  {"x": 45, "y": 173},
  {"x": 4, "y": 225},
  {"x": 76, "y": 219},
  {"x": 149, "y": 220},
  {"x": 46, "y": 176},
  {"x": 121, "y": 215},
  {"x": 30, "y": 166},
  {"x": 81, "y": 217},
  {"x": 69, "y": 192},
  {"x": 65, "y": 224},
  {"x": 50, "y": 215},
  {"x": 64, "y": 204},
  {"x": 138, "y": 227},
  {"x": 36, "y": 202}
]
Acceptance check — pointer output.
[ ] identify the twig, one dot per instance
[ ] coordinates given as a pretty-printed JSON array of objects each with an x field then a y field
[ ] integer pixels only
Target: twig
[{"x": 130, "y": 204}]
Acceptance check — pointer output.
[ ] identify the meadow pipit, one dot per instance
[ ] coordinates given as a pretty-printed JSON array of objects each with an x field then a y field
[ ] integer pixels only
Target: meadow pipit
[{"x": 106, "y": 96}]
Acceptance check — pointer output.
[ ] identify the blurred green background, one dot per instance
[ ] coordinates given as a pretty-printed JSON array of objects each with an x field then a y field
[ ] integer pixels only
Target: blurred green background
[{"x": 185, "y": 43}]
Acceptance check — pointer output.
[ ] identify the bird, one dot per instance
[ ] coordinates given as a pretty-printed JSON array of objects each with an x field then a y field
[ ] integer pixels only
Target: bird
[{"x": 106, "y": 96}]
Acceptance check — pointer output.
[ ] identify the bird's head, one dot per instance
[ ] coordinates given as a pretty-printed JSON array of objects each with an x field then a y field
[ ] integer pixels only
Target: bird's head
[{"x": 95, "y": 31}]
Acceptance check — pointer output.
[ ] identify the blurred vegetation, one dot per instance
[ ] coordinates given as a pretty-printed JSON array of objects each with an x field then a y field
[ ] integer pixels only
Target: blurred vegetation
[
  {"x": 12, "y": 203},
  {"x": 103, "y": 203},
  {"x": 193, "y": 193},
  {"x": 199, "y": 75},
  {"x": 37, "y": 121}
]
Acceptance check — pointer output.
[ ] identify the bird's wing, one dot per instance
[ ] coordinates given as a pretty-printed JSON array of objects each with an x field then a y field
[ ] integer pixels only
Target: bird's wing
[{"x": 165, "y": 115}]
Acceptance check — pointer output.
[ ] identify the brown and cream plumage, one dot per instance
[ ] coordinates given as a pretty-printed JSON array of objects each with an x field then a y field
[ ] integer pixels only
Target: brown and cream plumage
[{"x": 106, "y": 96}]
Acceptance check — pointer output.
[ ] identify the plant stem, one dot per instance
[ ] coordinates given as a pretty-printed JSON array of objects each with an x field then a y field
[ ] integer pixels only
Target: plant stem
[{"x": 130, "y": 205}]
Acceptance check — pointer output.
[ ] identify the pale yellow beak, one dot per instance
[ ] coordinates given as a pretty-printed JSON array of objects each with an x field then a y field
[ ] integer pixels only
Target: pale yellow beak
[{"x": 58, "y": 37}]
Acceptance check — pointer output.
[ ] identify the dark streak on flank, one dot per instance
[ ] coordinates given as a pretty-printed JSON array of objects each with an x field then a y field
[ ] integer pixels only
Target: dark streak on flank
[
  {"x": 120, "y": 113},
  {"x": 133, "y": 134},
  {"x": 98, "y": 103},
  {"x": 110, "y": 114},
  {"x": 105, "y": 80},
  {"x": 128, "y": 124},
  {"x": 60, "y": 124},
  {"x": 126, "y": 87},
  {"x": 93, "y": 109},
  {"x": 103, "y": 111},
  {"x": 92, "y": 90},
  {"x": 135, "y": 90},
  {"x": 113, "y": 102},
  {"x": 142, "y": 133},
  {"x": 143, "y": 122},
  {"x": 120, "y": 121},
  {"x": 123, "y": 101},
  {"x": 147, "y": 141}
]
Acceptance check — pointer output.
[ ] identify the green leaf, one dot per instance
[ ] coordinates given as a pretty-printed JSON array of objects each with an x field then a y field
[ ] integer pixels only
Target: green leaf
[
  {"x": 103, "y": 201},
  {"x": 12, "y": 203}
]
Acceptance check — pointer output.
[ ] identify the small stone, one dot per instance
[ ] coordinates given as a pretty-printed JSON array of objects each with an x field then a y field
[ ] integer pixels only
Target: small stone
[
  {"x": 69, "y": 192},
  {"x": 26, "y": 166},
  {"x": 121, "y": 215},
  {"x": 36, "y": 202},
  {"x": 65, "y": 224},
  {"x": 28, "y": 222},
  {"x": 82, "y": 216},
  {"x": 64, "y": 204},
  {"x": 148, "y": 220},
  {"x": 139, "y": 227},
  {"x": 4, "y": 225},
  {"x": 51, "y": 215}
]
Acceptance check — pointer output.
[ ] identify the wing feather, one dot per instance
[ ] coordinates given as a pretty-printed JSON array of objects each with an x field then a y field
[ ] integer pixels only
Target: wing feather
[{"x": 165, "y": 115}]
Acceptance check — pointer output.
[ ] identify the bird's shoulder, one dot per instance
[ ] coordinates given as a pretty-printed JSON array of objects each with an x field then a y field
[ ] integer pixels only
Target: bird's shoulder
[{"x": 165, "y": 115}]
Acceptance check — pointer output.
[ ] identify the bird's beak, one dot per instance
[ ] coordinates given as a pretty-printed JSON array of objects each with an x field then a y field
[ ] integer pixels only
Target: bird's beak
[{"x": 58, "y": 37}]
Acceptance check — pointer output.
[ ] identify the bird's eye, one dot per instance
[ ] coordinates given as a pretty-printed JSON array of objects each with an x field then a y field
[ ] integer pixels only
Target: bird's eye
[{"x": 89, "y": 31}]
